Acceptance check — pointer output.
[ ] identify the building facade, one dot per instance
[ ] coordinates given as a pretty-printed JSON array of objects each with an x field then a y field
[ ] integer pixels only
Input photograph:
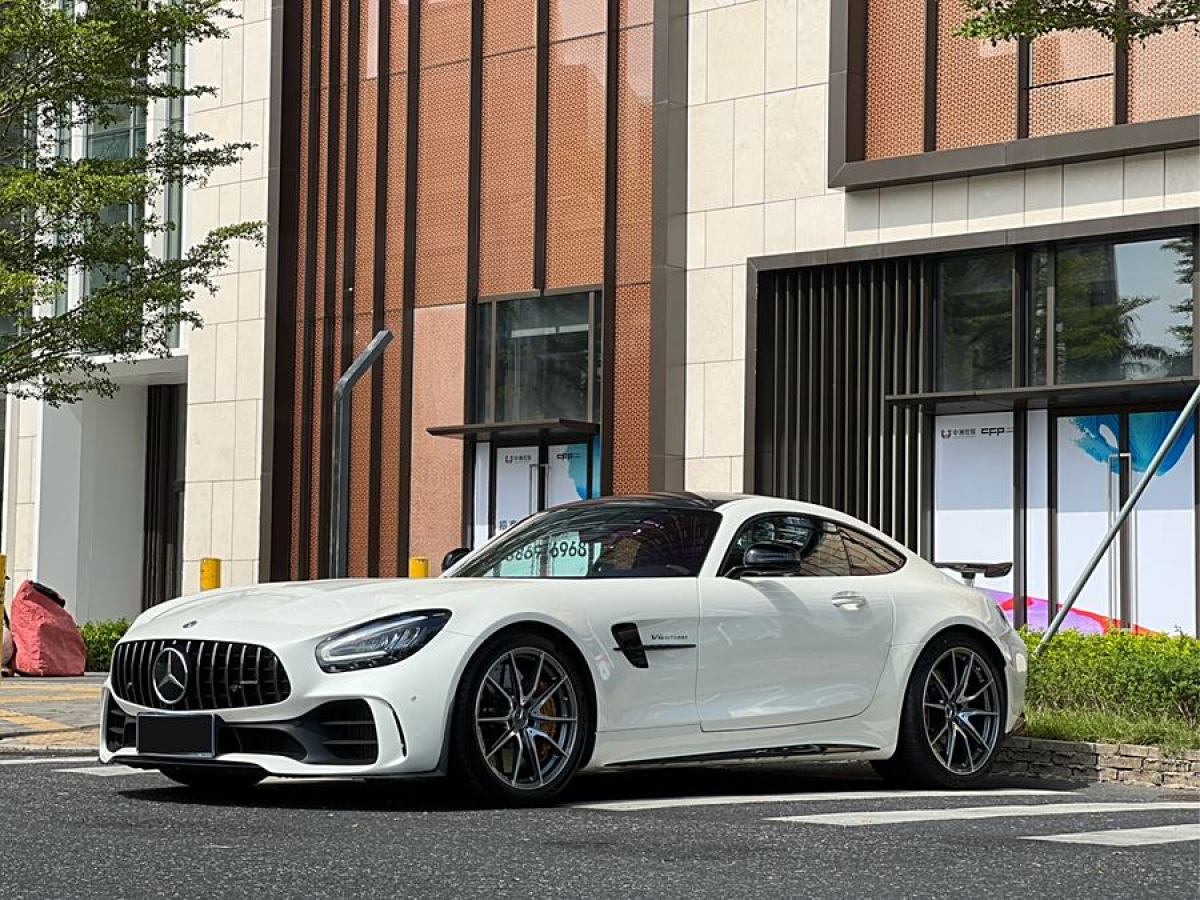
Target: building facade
[
  {"x": 950, "y": 287},
  {"x": 490, "y": 182},
  {"x": 823, "y": 249}
]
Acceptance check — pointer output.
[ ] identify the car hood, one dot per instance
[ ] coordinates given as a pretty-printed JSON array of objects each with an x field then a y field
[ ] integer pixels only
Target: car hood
[{"x": 309, "y": 608}]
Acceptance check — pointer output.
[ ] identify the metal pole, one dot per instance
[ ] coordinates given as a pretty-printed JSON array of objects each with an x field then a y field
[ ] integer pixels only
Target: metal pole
[
  {"x": 339, "y": 522},
  {"x": 1119, "y": 522}
]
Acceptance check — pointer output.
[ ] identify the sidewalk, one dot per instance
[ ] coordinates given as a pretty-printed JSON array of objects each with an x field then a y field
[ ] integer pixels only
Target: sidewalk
[{"x": 40, "y": 714}]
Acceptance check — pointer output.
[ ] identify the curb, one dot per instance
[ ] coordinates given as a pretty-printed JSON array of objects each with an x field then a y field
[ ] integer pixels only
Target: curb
[
  {"x": 1133, "y": 764},
  {"x": 7, "y": 749}
]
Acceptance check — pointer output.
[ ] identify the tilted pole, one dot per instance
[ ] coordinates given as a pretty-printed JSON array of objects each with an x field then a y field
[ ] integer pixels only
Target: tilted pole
[
  {"x": 1119, "y": 522},
  {"x": 339, "y": 522}
]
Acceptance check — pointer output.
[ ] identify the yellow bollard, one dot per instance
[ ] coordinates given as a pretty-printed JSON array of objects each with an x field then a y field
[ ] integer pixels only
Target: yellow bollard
[
  {"x": 418, "y": 567},
  {"x": 210, "y": 573}
]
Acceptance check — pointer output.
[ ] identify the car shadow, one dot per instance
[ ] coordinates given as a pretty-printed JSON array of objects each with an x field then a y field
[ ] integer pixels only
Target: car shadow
[{"x": 439, "y": 794}]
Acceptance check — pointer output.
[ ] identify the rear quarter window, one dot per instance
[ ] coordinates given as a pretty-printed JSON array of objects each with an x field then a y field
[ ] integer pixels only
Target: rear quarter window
[{"x": 869, "y": 556}]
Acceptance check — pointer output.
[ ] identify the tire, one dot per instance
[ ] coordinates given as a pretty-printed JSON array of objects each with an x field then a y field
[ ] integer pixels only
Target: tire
[
  {"x": 949, "y": 733},
  {"x": 520, "y": 744},
  {"x": 214, "y": 780}
]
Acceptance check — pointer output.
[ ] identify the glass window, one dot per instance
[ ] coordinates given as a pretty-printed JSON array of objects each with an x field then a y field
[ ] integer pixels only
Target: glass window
[
  {"x": 538, "y": 359},
  {"x": 1124, "y": 311},
  {"x": 869, "y": 556},
  {"x": 974, "y": 303},
  {"x": 820, "y": 543},
  {"x": 610, "y": 540}
]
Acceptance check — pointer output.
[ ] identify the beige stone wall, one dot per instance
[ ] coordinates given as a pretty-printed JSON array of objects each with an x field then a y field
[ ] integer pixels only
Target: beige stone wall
[
  {"x": 225, "y": 358},
  {"x": 757, "y": 185},
  {"x": 21, "y": 506},
  {"x": 1085, "y": 761}
]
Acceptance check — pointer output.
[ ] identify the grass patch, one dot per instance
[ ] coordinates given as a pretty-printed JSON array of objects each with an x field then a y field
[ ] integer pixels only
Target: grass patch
[
  {"x": 1109, "y": 728},
  {"x": 1116, "y": 687}
]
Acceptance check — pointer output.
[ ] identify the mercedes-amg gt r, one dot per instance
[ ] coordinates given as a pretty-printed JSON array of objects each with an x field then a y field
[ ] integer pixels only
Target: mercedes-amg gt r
[{"x": 617, "y": 632}]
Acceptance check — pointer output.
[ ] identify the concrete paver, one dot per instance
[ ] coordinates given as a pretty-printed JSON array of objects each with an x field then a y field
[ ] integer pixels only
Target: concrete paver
[{"x": 50, "y": 713}]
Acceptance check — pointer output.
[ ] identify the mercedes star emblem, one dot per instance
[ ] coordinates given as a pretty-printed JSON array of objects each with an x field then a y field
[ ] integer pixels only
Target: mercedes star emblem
[{"x": 170, "y": 676}]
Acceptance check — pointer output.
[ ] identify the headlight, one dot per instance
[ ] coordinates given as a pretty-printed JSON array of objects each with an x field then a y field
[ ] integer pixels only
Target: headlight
[{"x": 380, "y": 643}]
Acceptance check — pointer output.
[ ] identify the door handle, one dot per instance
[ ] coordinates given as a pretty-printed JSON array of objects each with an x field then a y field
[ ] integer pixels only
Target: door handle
[{"x": 850, "y": 600}]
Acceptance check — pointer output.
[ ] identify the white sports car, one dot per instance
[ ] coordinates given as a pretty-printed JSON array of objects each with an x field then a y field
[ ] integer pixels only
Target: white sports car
[{"x": 619, "y": 632}]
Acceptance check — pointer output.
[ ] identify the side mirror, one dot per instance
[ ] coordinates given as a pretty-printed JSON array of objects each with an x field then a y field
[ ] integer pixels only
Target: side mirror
[
  {"x": 454, "y": 556},
  {"x": 770, "y": 558}
]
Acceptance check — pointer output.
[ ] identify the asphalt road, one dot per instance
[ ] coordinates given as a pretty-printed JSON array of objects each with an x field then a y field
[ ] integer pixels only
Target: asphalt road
[{"x": 69, "y": 828}]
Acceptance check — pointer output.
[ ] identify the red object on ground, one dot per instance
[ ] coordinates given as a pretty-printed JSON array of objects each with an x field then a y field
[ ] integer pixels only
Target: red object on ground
[{"x": 47, "y": 638}]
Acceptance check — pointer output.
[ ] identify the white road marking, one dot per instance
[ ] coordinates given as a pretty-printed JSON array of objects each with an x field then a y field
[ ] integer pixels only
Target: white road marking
[
  {"x": 898, "y": 816},
  {"x": 107, "y": 771},
  {"x": 1127, "y": 837},
  {"x": 47, "y": 759},
  {"x": 811, "y": 797}
]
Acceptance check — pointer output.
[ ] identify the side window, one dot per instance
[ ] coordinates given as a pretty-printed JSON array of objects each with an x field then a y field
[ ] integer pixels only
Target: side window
[
  {"x": 824, "y": 553},
  {"x": 868, "y": 556}
]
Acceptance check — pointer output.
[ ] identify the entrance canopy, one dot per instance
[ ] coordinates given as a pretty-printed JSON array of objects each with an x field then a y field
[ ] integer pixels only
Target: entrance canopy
[{"x": 558, "y": 429}]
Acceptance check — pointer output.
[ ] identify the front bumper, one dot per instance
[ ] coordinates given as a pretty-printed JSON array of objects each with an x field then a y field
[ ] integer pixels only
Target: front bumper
[
  {"x": 389, "y": 721},
  {"x": 1016, "y": 671}
]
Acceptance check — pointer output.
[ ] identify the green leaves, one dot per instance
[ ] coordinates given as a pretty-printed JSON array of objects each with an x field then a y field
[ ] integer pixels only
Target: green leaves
[
  {"x": 96, "y": 229},
  {"x": 1001, "y": 20},
  {"x": 100, "y": 638},
  {"x": 1148, "y": 682}
]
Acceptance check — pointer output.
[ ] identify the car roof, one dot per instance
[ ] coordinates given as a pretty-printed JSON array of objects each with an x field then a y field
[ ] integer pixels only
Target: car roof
[
  {"x": 668, "y": 500},
  {"x": 747, "y": 505}
]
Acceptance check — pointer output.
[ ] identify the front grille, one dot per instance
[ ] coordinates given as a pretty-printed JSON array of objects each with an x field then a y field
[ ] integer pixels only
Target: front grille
[{"x": 220, "y": 674}]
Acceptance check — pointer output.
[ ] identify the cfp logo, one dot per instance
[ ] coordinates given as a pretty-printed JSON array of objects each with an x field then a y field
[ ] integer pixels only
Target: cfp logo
[{"x": 948, "y": 434}]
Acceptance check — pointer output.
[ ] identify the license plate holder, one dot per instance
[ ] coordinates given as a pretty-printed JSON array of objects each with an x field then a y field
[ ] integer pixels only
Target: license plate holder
[{"x": 192, "y": 735}]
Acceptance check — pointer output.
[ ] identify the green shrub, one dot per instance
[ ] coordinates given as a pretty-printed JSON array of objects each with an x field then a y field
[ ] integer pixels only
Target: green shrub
[
  {"x": 1116, "y": 682},
  {"x": 100, "y": 638}
]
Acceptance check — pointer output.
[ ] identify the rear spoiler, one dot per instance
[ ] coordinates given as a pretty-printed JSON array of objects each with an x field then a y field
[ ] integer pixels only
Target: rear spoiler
[{"x": 971, "y": 570}]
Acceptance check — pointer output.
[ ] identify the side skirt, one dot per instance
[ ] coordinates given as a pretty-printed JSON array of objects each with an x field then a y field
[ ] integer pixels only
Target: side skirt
[{"x": 761, "y": 753}]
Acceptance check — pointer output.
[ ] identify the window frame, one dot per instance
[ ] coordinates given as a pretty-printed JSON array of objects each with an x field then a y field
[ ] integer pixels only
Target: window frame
[
  {"x": 902, "y": 557},
  {"x": 846, "y": 127},
  {"x": 1023, "y": 306},
  {"x": 828, "y": 526},
  {"x": 711, "y": 517},
  {"x": 485, "y": 385},
  {"x": 939, "y": 333}
]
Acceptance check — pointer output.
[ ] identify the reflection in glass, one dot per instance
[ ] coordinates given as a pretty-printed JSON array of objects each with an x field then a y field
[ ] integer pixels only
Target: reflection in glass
[
  {"x": 974, "y": 322},
  {"x": 539, "y": 359},
  {"x": 1124, "y": 311},
  {"x": 1041, "y": 277},
  {"x": 613, "y": 540}
]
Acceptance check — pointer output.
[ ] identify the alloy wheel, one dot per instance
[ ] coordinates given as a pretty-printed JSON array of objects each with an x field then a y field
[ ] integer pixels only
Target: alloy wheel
[
  {"x": 527, "y": 718},
  {"x": 961, "y": 703}
]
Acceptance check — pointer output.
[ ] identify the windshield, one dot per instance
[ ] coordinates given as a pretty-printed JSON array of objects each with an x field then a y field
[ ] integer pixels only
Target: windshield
[{"x": 608, "y": 540}]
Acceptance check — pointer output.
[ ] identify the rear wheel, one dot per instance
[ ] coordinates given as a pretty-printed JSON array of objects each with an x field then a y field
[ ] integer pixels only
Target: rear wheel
[
  {"x": 953, "y": 716},
  {"x": 214, "y": 781},
  {"x": 522, "y": 718}
]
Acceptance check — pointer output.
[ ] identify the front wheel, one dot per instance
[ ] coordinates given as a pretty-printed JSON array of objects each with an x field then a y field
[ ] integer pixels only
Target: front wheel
[
  {"x": 522, "y": 718},
  {"x": 953, "y": 716}
]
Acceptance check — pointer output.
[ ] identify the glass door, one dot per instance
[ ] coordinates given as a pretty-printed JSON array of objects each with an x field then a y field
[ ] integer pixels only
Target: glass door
[
  {"x": 1147, "y": 579},
  {"x": 1163, "y": 527},
  {"x": 513, "y": 481},
  {"x": 1088, "y": 479}
]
